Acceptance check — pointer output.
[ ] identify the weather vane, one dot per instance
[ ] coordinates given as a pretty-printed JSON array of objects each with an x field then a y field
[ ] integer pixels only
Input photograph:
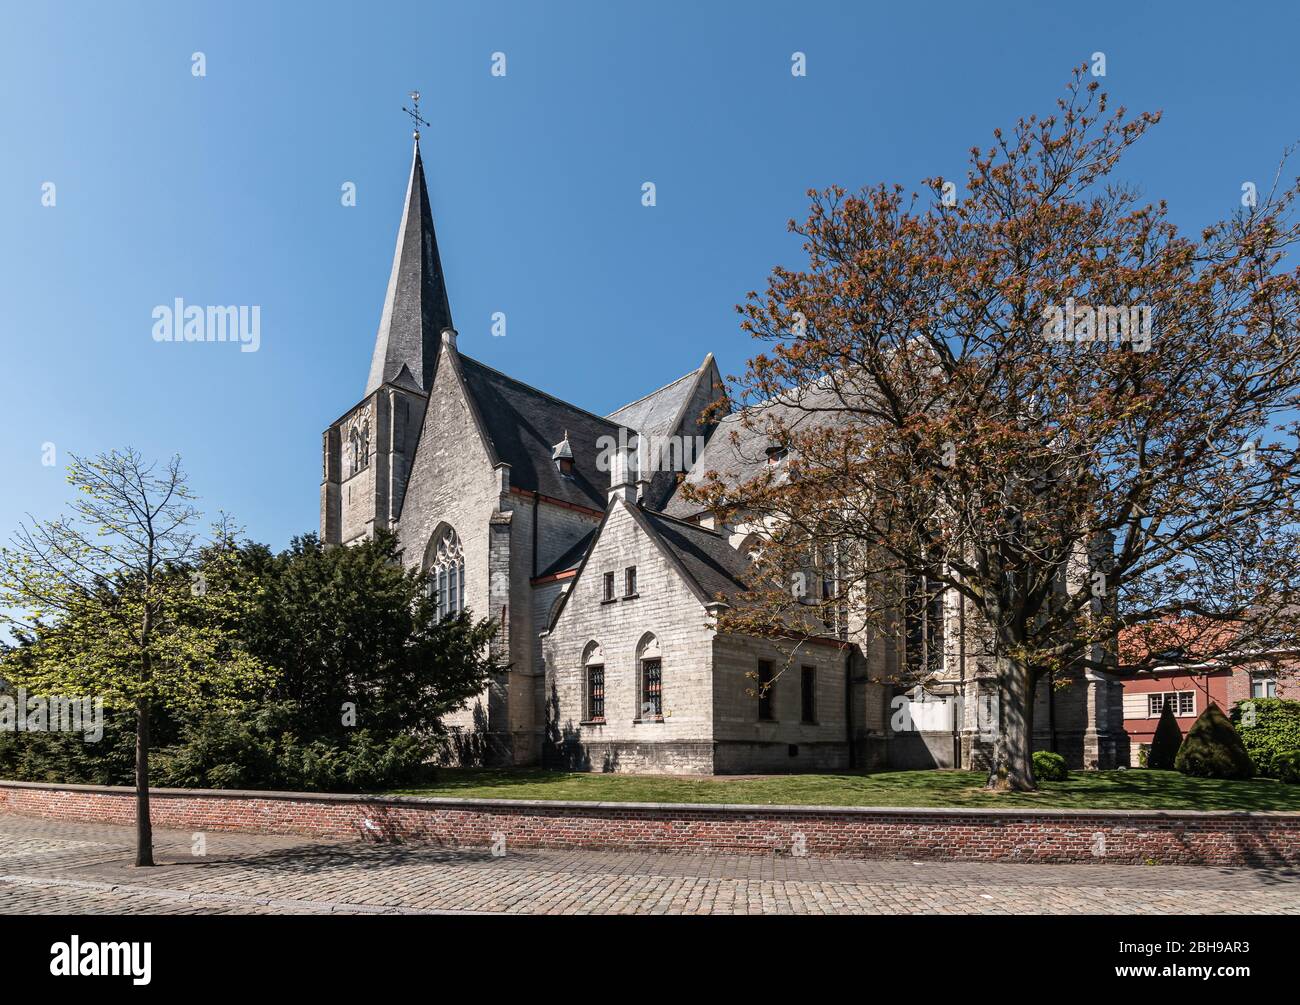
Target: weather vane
[{"x": 414, "y": 113}]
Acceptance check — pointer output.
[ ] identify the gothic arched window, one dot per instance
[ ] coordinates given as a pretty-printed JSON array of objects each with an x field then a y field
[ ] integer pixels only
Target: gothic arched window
[
  {"x": 445, "y": 564},
  {"x": 649, "y": 663},
  {"x": 593, "y": 663}
]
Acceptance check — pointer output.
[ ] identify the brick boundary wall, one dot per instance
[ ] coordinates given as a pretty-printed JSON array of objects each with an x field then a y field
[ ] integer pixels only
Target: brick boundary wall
[{"x": 1169, "y": 837}]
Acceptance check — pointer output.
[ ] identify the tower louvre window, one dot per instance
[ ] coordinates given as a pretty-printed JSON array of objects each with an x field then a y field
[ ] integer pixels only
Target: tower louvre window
[{"x": 358, "y": 449}]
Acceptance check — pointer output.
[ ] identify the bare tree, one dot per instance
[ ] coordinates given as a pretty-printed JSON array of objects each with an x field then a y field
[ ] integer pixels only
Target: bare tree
[
  {"x": 1034, "y": 393},
  {"x": 102, "y": 601}
]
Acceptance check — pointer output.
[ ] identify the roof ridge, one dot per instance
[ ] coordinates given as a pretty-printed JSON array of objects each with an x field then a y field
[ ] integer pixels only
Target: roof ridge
[
  {"x": 538, "y": 390},
  {"x": 685, "y": 523},
  {"x": 644, "y": 397}
]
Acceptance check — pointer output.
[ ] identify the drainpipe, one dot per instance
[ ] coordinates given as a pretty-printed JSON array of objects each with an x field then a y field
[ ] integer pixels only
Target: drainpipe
[
  {"x": 535, "y": 534},
  {"x": 961, "y": 657},
  {"x": 848, "y": 706},
  {"x": 1051, "y": 710}
]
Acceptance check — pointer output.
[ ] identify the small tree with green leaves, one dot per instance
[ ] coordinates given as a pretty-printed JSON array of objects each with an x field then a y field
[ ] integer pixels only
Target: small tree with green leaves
[
  {"x": 102, "y": 603},
  {"x": 1165, "y": 744}
]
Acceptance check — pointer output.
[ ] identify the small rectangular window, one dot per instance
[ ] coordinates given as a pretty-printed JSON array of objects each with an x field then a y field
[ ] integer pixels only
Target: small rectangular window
[
  {"x": 652, "y": 690},
  {"x": 808, "y": 693},
  {"x": 1182, "y": 703},
  {"x": 609, "y": 586},
  {"x": 596, "y": 692},
  {"x": 629, "y": 581},
  {"x": 1263, "y": 687},
  {"x": 765, "y": 690}
]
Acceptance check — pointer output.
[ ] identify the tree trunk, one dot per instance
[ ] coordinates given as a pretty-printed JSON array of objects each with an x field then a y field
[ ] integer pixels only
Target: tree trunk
[
  {"x": 143, "y": 826},
  {"x": 1012, "y": 769}
]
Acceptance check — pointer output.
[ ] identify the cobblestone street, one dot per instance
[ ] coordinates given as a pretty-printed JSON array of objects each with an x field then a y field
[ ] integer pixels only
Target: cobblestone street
[{"x": 51, "y": 868}]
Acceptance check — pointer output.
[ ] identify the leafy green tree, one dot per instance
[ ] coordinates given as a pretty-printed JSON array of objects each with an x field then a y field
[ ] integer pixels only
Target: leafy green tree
[
  {"x": 107, "y": 607},
  {"x": 366, "y": 671},
  {"x": 1213, "y": 749},
  {"x": 1270, "y": 729},
  {"x": 1165, "y": 744},
  {"x": 350, "y": 629}
]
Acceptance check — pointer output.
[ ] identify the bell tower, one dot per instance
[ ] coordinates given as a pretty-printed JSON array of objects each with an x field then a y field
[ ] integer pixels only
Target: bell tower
[{"x": 367, "y": 452}]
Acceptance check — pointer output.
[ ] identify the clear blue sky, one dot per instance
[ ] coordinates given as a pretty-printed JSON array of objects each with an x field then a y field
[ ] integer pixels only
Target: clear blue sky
[{"x": 225, "y": 189}]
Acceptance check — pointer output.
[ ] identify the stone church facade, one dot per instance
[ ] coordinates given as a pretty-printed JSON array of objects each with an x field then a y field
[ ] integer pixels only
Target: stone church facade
[{"x": 603, "y": 580}]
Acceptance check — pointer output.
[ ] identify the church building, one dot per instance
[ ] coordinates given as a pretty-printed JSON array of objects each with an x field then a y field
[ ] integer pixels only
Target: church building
[{"x": 602, "y": 578}]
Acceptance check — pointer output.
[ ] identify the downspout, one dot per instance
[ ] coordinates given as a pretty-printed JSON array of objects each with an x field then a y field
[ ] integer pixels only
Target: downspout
[
  {"x": 961, "y": 657},
  {"x": 536, "y": 535},
  {"x": 848, "y": 706},
  {"x": 1051, "y": 710}
]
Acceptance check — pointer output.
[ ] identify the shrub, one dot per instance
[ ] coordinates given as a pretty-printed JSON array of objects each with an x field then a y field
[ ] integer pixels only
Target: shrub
[
  {"x": 1167, "y": 741},
  {"x": 1287, "y": 766},
  {"x": 1050, "y": 767},
  {"x": 1270, "y": 729},
  {"x": 268, "y": 751},
  {"x": 1213, "y": 749}
]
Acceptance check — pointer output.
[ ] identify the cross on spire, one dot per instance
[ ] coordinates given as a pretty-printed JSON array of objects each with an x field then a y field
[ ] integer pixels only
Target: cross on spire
[{"x": 414, "y": 113}]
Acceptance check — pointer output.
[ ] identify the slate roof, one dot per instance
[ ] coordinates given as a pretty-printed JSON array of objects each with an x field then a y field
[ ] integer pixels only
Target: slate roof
[
  {"x": 572, "y": 558},
  {"x": 735, "y": 462},
  {"x": 657, "y": 412},
  {"x": 707, "y": 557},
  {"x": 415, "y": 306},
  {"x": 738, "y": 462},
  {"x": 524, "y": 423},
  {"x": 708, "y": 562}
]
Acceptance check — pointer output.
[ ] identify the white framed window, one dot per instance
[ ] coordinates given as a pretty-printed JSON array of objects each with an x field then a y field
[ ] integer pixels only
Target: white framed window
[
  {"x": 1184, "y": 703},
  {"x": 1263, "y": 686}
]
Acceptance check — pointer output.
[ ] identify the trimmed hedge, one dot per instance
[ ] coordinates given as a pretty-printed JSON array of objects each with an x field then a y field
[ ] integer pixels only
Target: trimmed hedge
[
  {"x": 1270, "y": 730},
  {"x": 1213, "y": 749},
  {"x": 1167, "y": 741}
]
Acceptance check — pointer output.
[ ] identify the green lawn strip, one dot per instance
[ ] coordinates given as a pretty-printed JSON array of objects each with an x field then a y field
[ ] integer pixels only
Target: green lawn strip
[{"x": 1135, "y": 789}]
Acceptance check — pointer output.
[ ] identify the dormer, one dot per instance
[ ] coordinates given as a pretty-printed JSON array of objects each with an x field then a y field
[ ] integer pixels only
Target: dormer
[{"x": 562, "y": 455}]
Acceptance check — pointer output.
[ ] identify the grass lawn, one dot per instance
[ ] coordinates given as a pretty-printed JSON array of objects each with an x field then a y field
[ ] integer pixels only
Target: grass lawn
[{"x": 1134, "y": 789}]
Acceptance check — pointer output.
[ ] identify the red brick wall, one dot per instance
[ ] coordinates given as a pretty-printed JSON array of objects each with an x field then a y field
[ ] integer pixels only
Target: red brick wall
[
  {"x": 1215, "y": 687},
  {"x": 1214, "y": 838}
]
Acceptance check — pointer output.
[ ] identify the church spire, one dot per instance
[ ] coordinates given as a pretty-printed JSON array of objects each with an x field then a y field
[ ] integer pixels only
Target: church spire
[{"x": 415, "y": 306}]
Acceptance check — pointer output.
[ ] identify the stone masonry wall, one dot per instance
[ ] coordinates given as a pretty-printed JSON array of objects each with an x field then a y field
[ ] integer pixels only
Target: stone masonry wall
[
  {"x": 664, "y": 607},
  {"x": 743, "y": 742},
  {"x": 452, "y": 481}
]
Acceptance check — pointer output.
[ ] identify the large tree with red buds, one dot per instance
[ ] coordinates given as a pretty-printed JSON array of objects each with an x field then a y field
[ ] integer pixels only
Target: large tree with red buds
[{"x": 1034, "y": 393}]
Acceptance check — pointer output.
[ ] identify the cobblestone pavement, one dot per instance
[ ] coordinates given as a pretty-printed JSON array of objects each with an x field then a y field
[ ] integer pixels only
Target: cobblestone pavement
[{"x": 54, "y": 868}]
